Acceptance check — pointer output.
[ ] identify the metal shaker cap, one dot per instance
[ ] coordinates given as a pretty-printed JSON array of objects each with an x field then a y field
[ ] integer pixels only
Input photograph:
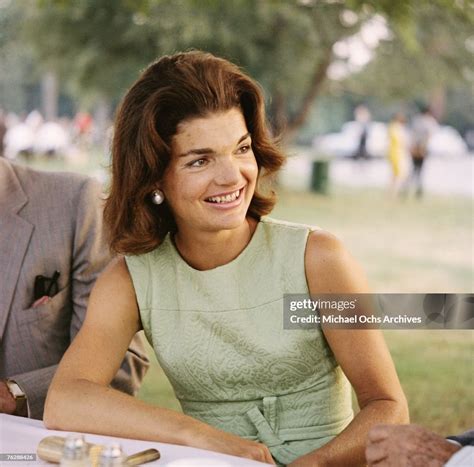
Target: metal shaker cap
[
  {"x": 74, "y": 447},
  {"x": 112, "y": 455}
]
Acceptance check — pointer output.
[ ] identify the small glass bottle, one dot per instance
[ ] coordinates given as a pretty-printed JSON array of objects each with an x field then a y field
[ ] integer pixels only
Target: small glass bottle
[
  {"x": 112, "y": 456},
  {"x": 75, "y": 452}
]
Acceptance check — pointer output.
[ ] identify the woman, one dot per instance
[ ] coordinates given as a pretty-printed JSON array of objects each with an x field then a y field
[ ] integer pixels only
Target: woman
[
  {"x": 397, "y": 151},
  {"x": 204, "y": 275}
]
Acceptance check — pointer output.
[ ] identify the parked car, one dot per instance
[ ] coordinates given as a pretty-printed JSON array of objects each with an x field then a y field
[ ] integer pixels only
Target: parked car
[{"x": 446, "y": 141}]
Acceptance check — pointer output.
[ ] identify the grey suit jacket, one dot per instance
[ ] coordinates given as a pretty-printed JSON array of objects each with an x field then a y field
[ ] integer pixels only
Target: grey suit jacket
[{"x": 49, "y": 222}]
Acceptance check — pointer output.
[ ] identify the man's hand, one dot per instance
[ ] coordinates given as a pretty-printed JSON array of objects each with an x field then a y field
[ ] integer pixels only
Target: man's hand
[
  {"x": 7, "y": 401},
  {"x": 407, "y": 446}
]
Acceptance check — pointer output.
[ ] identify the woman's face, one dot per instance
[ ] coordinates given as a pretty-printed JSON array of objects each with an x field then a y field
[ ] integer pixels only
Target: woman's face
[{"x": 212, "y": 174}]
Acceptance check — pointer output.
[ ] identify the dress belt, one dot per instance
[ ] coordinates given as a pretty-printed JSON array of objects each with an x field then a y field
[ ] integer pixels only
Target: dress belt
[{"x": 266, "y": 425}]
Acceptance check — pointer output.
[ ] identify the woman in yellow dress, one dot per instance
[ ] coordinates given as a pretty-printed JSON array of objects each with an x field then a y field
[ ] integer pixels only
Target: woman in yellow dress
[{"x": 397, "y": 151}]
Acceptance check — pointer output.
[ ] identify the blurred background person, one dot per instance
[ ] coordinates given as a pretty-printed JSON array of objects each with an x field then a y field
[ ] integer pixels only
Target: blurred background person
[
  {"x": 397, "y": 151},
  {"x": 422, "y": 128},
  {"x": 363, "y": 117},
  {"x": 83, "y": 126}
]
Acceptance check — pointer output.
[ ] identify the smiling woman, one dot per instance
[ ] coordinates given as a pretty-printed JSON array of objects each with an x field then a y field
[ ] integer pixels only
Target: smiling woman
[
  {"x": 204, "y": 275},
  {"x": 154, "y": 135},
  {"x": 209, "y": 189}
]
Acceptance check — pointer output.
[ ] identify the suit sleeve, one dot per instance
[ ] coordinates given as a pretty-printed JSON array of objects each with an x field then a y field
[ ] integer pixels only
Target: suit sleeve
[
  {"x": 464, "y": 439},
  {"x": 35, "y": 385},
  {"x": 89, "y": 258}
]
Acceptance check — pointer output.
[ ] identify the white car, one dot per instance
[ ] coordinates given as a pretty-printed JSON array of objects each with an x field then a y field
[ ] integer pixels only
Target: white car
[{"x": 446, "y": 141}]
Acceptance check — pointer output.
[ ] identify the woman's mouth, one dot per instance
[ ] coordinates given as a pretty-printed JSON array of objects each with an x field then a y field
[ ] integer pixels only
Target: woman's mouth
[{"x": 226, "y": 200}]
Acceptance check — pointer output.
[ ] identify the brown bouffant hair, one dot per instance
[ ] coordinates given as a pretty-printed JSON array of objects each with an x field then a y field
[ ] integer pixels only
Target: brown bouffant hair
[{"x": 173, "y": 89}]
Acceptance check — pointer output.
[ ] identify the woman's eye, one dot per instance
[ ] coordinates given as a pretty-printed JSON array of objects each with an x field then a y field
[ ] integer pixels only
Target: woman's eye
[
  {"x": 244, "y": 149},
  {"x": 197, "y": 163}
]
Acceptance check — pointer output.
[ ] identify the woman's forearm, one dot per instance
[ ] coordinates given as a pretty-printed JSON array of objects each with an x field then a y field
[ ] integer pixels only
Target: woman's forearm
[
  {"x": 348, "y": 447},
  {"x": 83, "y": 406},
  {"x": 80, "y": 405}
]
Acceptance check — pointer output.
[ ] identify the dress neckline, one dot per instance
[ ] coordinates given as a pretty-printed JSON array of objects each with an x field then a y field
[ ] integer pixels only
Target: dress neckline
[{"x": 244, "y": 253}]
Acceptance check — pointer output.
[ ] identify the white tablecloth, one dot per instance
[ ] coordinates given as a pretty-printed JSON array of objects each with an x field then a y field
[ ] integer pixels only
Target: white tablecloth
[{"x": 20, "y": 435}]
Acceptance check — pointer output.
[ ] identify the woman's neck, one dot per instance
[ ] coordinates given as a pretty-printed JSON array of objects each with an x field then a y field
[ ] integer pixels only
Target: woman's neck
[{"x": 208, "y": 250}]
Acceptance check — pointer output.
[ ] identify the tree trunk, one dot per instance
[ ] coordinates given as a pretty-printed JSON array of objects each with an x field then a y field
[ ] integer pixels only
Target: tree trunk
[
  {"x": 49, "y": 95},
  {"x": 438, "y": 102},
  {"x": 279, "y": 113},
  {"x": 318, "y": 79},
  {"x": 102, "y": 123}
]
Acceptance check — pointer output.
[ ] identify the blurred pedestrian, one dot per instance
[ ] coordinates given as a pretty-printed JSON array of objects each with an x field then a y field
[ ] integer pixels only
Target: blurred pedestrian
[
  {"x": 423, "y": 127},
  {"x": 83, "y": 126},
  {"x": 397, "y": 151},
  {"x": 362, "y": 116}
]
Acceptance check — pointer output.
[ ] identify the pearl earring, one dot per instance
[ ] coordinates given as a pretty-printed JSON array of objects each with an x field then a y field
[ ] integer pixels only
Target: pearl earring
[{"x": 157, "y": 197}]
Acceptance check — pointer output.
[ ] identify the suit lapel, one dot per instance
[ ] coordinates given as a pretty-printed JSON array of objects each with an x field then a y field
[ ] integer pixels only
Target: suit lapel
[{"x": 15, "y": 234}]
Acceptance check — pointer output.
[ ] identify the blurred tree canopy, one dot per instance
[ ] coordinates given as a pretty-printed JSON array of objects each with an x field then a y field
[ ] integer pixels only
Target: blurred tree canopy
[
  {"x": 98, "y": 47},
  {"x": 433, "y": 48}
]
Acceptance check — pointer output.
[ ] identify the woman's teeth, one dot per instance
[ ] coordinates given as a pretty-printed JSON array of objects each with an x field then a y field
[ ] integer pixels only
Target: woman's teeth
[{"x": 225, "y": 199}]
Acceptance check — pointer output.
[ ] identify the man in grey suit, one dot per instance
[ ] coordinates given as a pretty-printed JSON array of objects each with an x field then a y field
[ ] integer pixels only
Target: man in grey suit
[{"x": 52, "y": 249}]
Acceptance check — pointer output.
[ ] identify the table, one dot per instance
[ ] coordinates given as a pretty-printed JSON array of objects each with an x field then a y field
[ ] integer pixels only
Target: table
[{"x": 19, "y": 435}]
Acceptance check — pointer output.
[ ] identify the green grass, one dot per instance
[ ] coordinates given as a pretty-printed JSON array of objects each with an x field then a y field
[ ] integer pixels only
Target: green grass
[
  {"x": 404, "y": 246},
  {"x": 436, "y": 369}
]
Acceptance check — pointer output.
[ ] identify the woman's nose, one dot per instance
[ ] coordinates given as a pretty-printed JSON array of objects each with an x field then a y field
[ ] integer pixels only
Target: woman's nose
[{"x": 228, "y": 172}]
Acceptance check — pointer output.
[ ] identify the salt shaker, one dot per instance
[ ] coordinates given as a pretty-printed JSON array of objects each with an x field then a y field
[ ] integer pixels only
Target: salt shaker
[
  {"x": 75, "y": 452},
  {"x": 112, "y": 456}
]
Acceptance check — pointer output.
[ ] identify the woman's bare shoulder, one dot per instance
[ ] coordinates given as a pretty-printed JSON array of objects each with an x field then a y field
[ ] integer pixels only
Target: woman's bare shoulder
[
  {"x": 330, "y": 268},
  {"x": 114, "y": 288}
]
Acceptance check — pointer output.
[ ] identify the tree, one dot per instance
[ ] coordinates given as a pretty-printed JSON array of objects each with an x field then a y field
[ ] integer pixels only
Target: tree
[
  {"x": 18, "y": 71},
  {"x": 427, "y": 54},
  {"x": 99, "y": 46}
]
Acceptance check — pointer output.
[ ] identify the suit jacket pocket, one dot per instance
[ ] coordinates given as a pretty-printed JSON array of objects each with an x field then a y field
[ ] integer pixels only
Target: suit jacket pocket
[
  {"x": 48, "y": 310},
  {"x": 44, "y": 330}
]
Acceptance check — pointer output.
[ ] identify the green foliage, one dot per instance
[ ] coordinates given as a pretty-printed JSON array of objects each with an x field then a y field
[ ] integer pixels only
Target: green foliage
[
  {"x": 99, "y": 46},
  {"x": 429, "y": 51},
  {"x": 17, "y": 71}
]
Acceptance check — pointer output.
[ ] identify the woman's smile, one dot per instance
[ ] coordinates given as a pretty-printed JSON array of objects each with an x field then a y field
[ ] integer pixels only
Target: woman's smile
[{"x": 226, "y": 200}]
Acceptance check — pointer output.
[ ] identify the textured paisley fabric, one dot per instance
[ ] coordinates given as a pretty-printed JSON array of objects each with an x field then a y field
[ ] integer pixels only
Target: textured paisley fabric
[{"x": 219, "y": 337}]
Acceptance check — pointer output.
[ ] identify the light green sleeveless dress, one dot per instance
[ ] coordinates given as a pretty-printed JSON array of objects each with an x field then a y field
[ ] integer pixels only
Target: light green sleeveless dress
[{"x": 219, "y": 337}]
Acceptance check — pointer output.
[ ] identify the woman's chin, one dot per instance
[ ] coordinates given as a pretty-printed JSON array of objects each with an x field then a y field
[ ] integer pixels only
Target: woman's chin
[{"x": 229, "y": 221}]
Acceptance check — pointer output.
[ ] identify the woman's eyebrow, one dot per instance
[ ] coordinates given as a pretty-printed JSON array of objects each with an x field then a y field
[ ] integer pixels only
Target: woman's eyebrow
[{"x": 209, "y": 150}]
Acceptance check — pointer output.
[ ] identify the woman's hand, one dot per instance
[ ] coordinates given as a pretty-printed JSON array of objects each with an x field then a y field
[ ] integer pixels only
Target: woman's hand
[{"x": 226, "y": 443}]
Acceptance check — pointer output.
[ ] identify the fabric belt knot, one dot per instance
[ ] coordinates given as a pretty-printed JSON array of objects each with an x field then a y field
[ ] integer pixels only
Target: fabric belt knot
[{"x": 266, "y": 425}]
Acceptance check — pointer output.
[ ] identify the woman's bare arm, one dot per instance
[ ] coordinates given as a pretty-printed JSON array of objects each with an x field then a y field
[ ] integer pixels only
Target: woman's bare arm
[
  {"x": 79, "y": 398},
  {"x": 362, "y": 355}
]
